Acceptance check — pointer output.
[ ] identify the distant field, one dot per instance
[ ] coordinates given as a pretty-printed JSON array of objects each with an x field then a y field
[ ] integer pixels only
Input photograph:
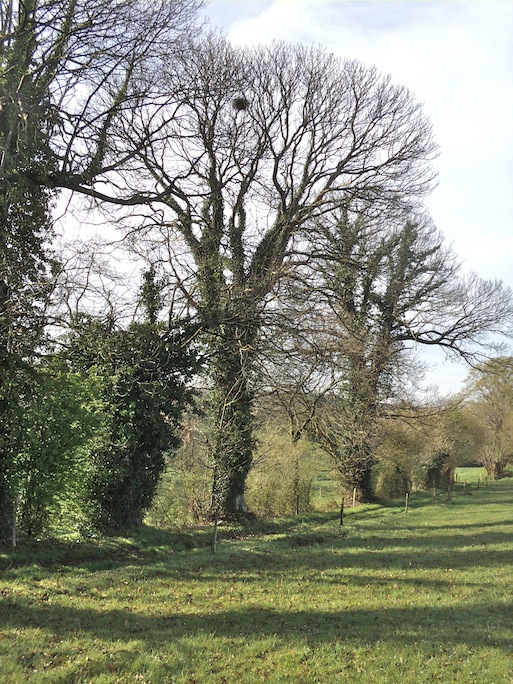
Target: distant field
[
  {"x": 470, "y": 474},
  {"x": 389, "y": 598}
]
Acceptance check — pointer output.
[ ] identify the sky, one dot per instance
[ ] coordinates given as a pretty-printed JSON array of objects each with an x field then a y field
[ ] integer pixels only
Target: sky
[{"x": 456, "y": 56}]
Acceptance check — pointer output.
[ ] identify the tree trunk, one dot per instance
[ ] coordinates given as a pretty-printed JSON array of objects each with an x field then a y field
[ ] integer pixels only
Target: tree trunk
[
  {"x": 495, "y": 470},
  {"x": 356, "y": 469},
  {"x": 232, "y": 443},
  {"x": 232, "y": 456},
  {"x": 364, "y": 491},
  {"x": 6, "y": 501}
]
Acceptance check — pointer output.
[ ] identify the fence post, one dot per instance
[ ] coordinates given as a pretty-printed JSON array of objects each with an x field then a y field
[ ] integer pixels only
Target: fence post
[
  {"x": 14, "y": 516},
  {"x": 213, "y": 544}
]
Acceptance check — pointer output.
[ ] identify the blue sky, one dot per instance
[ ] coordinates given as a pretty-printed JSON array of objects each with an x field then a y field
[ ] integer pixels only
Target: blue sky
[{"x": 457, "y": 57}]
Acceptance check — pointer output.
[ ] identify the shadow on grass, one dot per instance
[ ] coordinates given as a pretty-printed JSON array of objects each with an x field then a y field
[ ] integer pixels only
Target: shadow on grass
[
  {"x": 473, "y": 626},
  {"x": 380, "y": 553},
  {"x": 330, "y": 557},
  {"x": 143, "y": 544},
  {"x": 329, "y": 547},
  {"x": 377, "y": 540}
]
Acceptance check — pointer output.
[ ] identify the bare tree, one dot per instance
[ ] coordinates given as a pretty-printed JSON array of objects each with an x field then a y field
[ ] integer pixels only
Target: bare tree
[
  {"x": 259, "y": 143},
  {"x": 489, "y": 393},
  {"x": 380, "y": 291},
  {"x": 68, "y": 69}
]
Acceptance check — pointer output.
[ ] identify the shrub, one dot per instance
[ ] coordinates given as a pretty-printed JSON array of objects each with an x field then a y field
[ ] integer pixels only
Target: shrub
[{"x": 280, "y": 481}]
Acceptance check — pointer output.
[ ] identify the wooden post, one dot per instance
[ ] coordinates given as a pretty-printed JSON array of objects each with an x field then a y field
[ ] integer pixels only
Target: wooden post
[
  {"x": 354, "y": 497},
  {"x": 342, "y": 512},
  {"x": 14, "y": 516},
  {"x": 434, "y": 496},
  {"x": 406, "y": 503},
  {"x": 213, "y": 544}
]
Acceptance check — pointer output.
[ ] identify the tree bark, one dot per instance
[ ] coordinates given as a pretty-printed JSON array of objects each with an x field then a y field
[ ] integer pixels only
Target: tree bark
[
  {"x": 495, "y": 470},
  {"x": 231, "y": 409}
]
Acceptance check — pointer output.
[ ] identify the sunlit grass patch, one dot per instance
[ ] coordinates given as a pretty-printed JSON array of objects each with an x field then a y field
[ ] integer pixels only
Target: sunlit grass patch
[{"x": 418, "y": 597}]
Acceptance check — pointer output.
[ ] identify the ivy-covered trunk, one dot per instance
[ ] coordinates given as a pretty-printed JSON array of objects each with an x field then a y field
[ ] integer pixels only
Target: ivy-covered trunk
[
  {"x": 495, "y": 470},
  {"x": 6, "y": 495},
  {"x": 231, "y": 409},
  {"x": 356, "y": 469},
  {"x": 26, "y": 277},
  {"x": 13, "y": 386},
  {"x": 357, "y": 457}
]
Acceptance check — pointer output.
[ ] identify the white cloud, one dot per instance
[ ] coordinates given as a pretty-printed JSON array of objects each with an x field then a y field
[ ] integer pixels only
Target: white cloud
[
  {"x": 296, "y": 21},
  {"x": 457, "y": 57}
]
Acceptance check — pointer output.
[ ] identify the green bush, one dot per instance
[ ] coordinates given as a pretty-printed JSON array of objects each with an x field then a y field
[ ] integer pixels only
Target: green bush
[
  {"x": 280, "y": 482},
  {"x": 390, "y": 480},
  {"x": 434, "y": 470}
]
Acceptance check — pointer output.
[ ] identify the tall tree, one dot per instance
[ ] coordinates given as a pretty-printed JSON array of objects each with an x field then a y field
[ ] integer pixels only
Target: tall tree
[
  {"x": 72, "y": 67},
  {"x": 384, "y": 289},
  {"x": 489, "y": 391},
  {"x": 68, "y": 68},
  {"x": 259, "y": 143},
  {"x": 26, "y": 267}
]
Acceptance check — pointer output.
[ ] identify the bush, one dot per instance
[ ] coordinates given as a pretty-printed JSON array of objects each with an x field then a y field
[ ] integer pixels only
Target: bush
[
  {"x": 184, "y": 493},
  {"x": 280, "y": 481},
  {"x": 183, "y": 496},
  {"x": 434, "y": 470},
  {"x": 390, "y": 480}
]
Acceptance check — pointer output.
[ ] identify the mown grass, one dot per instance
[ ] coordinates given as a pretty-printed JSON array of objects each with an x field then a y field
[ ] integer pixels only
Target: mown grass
[
  {"x": 417, "y": 597},
  {"x": 474, "y": 475}
]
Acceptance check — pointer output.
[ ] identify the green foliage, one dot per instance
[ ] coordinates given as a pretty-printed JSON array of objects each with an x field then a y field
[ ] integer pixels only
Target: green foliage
[
  {"x": 142, "y": 372},
  {"x": 184, "y": 494},
  {"x": 60, "y": 419},
  {"x": 25, "y": 220},
  {"x": 419, "y": 454},
  {"x": 489, "y": 388},
  {"x": 397, "y": 454},
  {"x": 13, "y": 389},
  {"x": 26, "y": 267},
  {"x": 26, "y": 282},
  {"x": 390, "y": 480},
  {"x": 435, "y": 470}
]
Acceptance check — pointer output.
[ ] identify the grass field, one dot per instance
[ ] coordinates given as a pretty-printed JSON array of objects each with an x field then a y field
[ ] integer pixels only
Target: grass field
[{"x": 390, "y": 597}]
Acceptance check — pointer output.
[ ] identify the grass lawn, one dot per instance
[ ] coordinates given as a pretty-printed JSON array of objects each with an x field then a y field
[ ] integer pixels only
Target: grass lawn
[{"x": 390, "y": 597}]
